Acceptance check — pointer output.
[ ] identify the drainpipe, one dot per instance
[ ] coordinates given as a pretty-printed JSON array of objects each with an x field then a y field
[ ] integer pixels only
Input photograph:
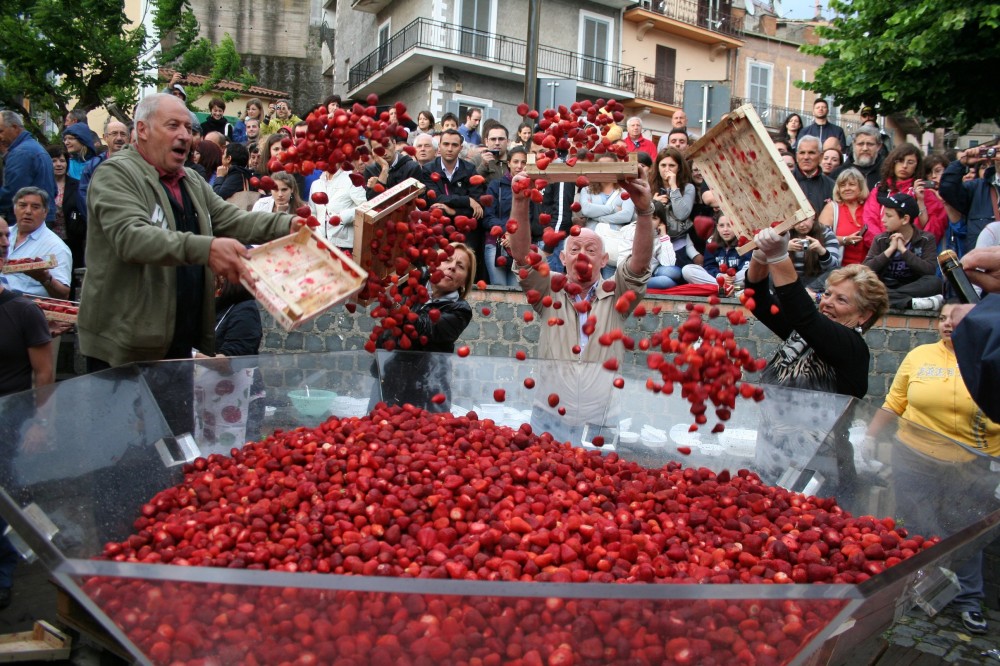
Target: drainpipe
[{"x": 531, "y": 55}]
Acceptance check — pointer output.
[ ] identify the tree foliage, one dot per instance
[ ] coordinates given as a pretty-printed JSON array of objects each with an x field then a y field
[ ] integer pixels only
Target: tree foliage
[
  {"x": 55, "y": 51},
  {"x": 934, "y": 59}
]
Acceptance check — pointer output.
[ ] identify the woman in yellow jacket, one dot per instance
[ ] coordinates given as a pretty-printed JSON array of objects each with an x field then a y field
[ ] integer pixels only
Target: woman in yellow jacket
[{"x": 928, "y": 391}]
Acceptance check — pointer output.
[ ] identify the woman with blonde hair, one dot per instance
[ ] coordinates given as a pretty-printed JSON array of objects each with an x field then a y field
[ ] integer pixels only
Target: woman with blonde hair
[
  {"x": 414, "y": 377},
  {"x": 823, "y": 348},
  {"x": 844, "y": 216}
]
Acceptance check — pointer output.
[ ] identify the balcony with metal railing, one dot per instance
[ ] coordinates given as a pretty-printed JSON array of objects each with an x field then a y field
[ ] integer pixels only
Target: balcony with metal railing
[
  {"x": 706, "y": 21},
  {"x": 773, "y": 116},
  {"x": 424, "y": 42},
  {"x": 649, "y": 88}
]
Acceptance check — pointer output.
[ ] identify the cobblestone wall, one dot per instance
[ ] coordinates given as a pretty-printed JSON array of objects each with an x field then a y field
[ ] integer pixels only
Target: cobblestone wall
[{"x": 503, "y": 332}]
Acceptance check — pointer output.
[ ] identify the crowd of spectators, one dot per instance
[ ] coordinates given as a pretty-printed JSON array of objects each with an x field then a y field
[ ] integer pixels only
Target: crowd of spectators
[{"x": 882, "y": 215}]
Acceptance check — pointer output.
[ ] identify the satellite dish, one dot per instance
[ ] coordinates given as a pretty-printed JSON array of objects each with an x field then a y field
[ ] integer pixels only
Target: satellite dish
[
  {"x": 751, "y": 8},
  {"x": 776, "y": 6}
]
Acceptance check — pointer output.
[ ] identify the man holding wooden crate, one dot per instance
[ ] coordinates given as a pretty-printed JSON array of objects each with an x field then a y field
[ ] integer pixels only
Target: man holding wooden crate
[
  {"x": 587, "y": 307},
  {"x": 156, "y": 238}
]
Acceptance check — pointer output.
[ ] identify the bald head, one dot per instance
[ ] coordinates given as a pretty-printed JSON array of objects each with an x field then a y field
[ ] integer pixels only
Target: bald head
[{"x": 584, "y": 257}]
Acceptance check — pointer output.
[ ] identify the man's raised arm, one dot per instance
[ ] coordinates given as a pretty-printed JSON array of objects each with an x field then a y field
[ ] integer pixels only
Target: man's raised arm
[{"x": 520, "y": 210}]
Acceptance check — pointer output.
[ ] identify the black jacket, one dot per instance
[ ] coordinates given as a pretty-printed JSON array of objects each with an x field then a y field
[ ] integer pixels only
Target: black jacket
[
  {"x": 237, "y": 180},
  {"x": 238, "y": 329},
  {"x": 818, "y": 189},
  {"x": 456, "y": 192},
  {"x": 403, "y": 168},
  {"x": 872, "y": 173},
  {"x": 556, "y": 201},
  {"x": 221, "y": 126}
]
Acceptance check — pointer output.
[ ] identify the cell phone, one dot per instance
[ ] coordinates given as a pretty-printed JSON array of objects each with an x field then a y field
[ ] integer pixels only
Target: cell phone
[
  {"x": 663, "y": 190},
  {"x": 929, "y": 184}
]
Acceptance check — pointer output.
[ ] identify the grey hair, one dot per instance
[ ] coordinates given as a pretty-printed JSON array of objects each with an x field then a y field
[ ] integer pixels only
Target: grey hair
[
  {"x": 633, "y": 118},
  {"x": 434, "y": 140},
  {"x": 28, "y": 191},
  {"x": 811, "y": 139},
  {"x": 148, "y": 107},
  {"x": 868, "y": 130},
  {"x": 12, "y": 119}
]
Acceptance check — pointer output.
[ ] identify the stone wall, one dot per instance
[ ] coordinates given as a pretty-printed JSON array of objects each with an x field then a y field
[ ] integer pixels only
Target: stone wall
[{"x": 503, "y": 332}]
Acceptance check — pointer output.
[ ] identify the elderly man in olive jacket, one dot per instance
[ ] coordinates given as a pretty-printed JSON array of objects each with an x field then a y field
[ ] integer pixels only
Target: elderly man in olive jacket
[{"x": 157, "y": 237}]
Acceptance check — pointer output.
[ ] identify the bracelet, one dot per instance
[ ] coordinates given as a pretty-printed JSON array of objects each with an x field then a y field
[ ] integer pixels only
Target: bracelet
[{"x": 648, "y": 212}]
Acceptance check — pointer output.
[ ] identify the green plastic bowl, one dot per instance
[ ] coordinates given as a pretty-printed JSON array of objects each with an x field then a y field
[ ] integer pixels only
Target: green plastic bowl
[{"x": 316, "y": 403}]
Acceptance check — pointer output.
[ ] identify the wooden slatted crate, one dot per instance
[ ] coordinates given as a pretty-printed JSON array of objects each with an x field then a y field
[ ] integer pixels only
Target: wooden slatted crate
[
  {"x": 301, "y": 276},
  {"x": 371, "y": 220},
  {"x": 742, "y": 166},
  {"x": 43, "y": 643},
  {"x": 39, "y": 263},
  {"x": 56, "y": 309},
  {"x": 596, "y": 172}
]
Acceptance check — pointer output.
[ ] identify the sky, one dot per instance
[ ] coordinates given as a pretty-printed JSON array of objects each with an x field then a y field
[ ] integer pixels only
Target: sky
[{"x": 799, "y": 9}]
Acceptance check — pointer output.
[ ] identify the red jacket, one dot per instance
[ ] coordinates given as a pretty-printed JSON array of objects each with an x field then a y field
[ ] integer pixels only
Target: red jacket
[
  {"x": 645, "y": 146},
  {"x": 937, "y": 218}
]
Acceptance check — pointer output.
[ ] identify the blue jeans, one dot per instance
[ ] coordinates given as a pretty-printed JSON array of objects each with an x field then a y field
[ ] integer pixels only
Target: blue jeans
[
  {"x": 665, "y": 277},
  {"x": 499, "y": 275},
  {"x": 8, "y": 558}
]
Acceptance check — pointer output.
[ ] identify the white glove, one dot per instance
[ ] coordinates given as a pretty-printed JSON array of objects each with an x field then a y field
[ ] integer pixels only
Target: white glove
[{"x": 773, "y": 245}]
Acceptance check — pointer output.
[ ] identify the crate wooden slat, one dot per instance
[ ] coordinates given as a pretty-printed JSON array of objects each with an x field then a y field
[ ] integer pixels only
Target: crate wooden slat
[
  {"x": 596, "y": 172},
  {"x": 50, "y": 262},
  {"x": 72, "y": 614},
  {"x": 49, "y": 305},
  {"x": 393, "y": 205},
  {"x": 301, "y": 276},
  {"x": 43, "y": 643},
  {"x": 743, "y": 168}
]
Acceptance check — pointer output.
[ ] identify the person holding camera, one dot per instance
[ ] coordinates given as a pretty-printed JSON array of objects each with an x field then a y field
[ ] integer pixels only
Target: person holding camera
[
  {"x": 493, "y": 161},
  {"x": 901, "y": 173},
  {"x": 976, "y": 199},
  {"x": 279, "y": 115}
]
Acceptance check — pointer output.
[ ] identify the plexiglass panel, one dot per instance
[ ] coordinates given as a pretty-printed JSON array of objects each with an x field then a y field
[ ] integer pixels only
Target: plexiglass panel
[{"x": 88, "y": 453}]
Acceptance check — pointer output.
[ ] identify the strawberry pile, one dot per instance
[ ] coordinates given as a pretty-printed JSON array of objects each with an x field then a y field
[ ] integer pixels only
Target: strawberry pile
[{"x": 402, "y": 492}]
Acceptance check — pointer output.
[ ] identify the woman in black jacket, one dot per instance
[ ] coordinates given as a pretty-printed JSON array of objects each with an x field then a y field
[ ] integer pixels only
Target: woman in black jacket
[
  {"x": 414, "y": 377},
  {"x": 824, "y": 348}
]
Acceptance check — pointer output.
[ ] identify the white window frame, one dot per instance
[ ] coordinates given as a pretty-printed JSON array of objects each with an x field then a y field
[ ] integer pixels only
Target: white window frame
[
  {"x": 608, "y": 55},
  {"x": 387, "y": 27},
  {"x": 770, "y": 81},
  {"x": 457, "y": 18}
]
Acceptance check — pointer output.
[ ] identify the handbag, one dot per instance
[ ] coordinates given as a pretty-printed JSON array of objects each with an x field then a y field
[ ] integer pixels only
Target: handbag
[{"x": 246, "y": 198}]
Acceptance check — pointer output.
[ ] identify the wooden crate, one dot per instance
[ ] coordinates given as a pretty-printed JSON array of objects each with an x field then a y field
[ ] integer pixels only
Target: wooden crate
[
  {"x": 49, "y": 262},
  {"x": 43, "y": 643},
  {"x": 392, "y": 206},
  {"x": 743, "y": 168},
  {"x": 596, "y": 172},
  {"x": 73, "y": 615},
  {"x": 56, "y": 309},
  {"x": 301, "y": 276}
]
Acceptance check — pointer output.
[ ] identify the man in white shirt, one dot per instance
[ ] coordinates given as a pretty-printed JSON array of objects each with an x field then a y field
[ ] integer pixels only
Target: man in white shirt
[
  {"x": 343, "y": 197},
  {"x": 33, "y": 239}
]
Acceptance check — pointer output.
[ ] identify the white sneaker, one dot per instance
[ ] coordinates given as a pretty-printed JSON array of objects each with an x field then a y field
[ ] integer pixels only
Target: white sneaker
[{"x": 928, "y": 303}]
